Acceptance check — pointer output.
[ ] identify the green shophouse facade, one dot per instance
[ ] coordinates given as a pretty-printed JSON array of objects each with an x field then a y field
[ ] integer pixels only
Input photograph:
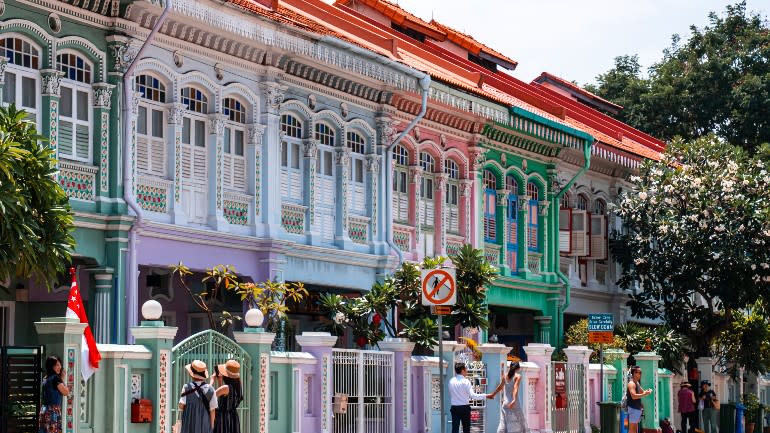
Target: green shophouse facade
[
  {"x": 58, "y": 63},
  {"x": 518, "y": 224}
]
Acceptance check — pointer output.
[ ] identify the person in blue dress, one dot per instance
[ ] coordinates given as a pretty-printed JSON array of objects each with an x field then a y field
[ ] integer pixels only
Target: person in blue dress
[{"x": 54, "y": 388}]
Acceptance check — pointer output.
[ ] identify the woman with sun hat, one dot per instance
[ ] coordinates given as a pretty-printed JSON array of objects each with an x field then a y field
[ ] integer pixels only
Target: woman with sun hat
[
  {"x": 230, "y": 395},
  {"x": 198, "y": 402}
]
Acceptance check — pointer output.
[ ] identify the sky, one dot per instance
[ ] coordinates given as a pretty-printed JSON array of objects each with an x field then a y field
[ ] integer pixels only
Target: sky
[{"x": 574, "y": 39}]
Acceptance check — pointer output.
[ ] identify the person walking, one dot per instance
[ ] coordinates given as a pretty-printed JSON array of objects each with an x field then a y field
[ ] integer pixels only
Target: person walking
[
  {"x": 461, "y": 393},
  {"x": 511, "y": 416},
  {"x": 229, "y": 396},
  {"x": 634, "y": 394},
  {"x": 710, "y": 408},
  {"x": 687, "y": 409},
  {"x": 49, "y": 420},
  {"x": 198, "y": 402}
]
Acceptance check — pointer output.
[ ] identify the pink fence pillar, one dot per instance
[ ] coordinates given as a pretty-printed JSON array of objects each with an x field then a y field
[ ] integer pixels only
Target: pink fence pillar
[
  {"x": 402, "y": 359},
  {"x": 530, "y": 373},
  {"x": 581, "y": 355},
  {"x": 320, "y": 344},
  {"x": 540, "y": 415},
  {"x": 495, "y": 357}
]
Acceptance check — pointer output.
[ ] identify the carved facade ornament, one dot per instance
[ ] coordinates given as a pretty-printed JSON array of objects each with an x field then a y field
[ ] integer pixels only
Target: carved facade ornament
[
  {"x": 441, "y": 181},
  {"x": 415, "y": 174},
  {"x": 51, "y": 82},
  {"x": 123, "y": 54},
  {"x": 2, "y": 7},
  {"x": 523, "y": 203},
  {"x": 274, "y": 94},
  {"x": 386, "y": 130},
  {"x": 178, "y": 59},
  {"x": 373, "y": 162},
  {"x": 103, "y": 95},
  {"x": 478, "y": 157},
  {"x": 442, "y": 140},
  {"x": 342, "y": 156},
  {"x": 311, "y": 102},
  {"x": 310, "y": 148},
  {"x": 416, "y": 131},
  {"x": 543, "y": 207},
  {"x": 217, "y": 124},
  {"x": 218, "y": 72},
  {"x": 255, "y": 133},
  {"x": 135, "y": 98},
  {"x": 466, "y": 186},
  {"x": 502, "y": 197},
  {"x": 504, "y": 160},
  {"x": 344, "y": 110},
  {"x": 175, "y": 113},
  {"x": 524, "y": 165},
  {"x": 3, "y": 64}
]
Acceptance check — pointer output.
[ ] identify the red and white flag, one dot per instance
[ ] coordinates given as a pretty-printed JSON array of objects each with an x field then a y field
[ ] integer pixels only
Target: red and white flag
[{"x": 89, "y": 356}]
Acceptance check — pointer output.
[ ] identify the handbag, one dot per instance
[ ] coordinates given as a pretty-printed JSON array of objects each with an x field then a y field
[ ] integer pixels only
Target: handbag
[
  {"x": 715, "y": 402},
  {"x": 177, "y": 427}
]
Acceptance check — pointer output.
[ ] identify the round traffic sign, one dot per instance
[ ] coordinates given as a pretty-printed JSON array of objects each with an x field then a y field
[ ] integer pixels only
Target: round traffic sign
[{"x": 438, "y": 287}]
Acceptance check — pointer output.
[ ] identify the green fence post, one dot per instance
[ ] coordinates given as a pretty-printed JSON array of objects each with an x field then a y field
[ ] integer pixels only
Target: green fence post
[
  {"x": 648, "y": 362},
  {"x": 620, "y": 362},
  {"x": 159, "y": 340},
  {"x": 665, "y": 394},
  {"x": 257, "y": 343}
]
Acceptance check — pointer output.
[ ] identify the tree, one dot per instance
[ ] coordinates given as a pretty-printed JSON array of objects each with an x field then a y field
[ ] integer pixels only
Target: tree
[
  {"x": 717, "y": 81},
  {"x": 367, "y": 315},
  {"x": 694, "y": 251},
  {"x": 35, "y": 219}
]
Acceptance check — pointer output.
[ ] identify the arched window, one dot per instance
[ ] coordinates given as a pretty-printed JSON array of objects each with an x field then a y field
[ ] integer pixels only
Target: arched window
[
  {"x": 291, "y": 158},
  {"x": 428, "y": 165},
  {"x": 452, "y": 198},
  {"x": 401, "y": 184},
  {"x": 326, "y": 185},
  {"x": 512, "y": 185},
  {"x": 150, "y": 126},
  {"x": 234, "y": 173},
  {"x": 21, "y": 75},
  {"x": 532, "y": 217},
  {"x": 75, "y": 123},
  {"x": 582, "y": 202},
  {"x": 600, "y": 207},
  {"x": 566, "y": 201},
  {"x": 427, "y": 204},
  {"x": 490, "y": 206},
  {"x": 194, "y": 159},
  {"x": 357, "y": 193}
]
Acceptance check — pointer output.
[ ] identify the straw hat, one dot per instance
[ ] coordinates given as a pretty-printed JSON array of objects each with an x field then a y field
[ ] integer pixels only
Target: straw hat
[
  {"x": 685, "y": 383},
  {"x": 197, "y": 370},
  {"x": 231, "y": 369}
]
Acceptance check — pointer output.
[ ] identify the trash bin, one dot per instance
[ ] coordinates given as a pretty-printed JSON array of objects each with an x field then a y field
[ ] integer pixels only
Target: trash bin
[
  {"x": 727, "y": 418},
  {"x": 609, "y": 416},
  {"x": 760, "y": 421}
]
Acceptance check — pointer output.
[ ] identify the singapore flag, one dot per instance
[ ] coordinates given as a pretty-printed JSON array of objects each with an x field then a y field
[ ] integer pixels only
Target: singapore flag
[{"x": 89, "y": 359}]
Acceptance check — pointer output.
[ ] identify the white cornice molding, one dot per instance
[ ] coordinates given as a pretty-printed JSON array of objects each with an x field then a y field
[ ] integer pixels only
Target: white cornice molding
[
  {"x": 154, "y": 332},
  {"x": 292, "y": 358},
  {"x": 265, "y": 338},
  {"x": 316, "y": 339},
  {"x": 60, "y": 325},
  {"x": 123, "y": 351}
]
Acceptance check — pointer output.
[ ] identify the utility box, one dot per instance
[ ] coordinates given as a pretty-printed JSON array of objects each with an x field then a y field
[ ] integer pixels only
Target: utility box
[
  {"x": 340, "y": 404},
  {"x": 141, "y": 411}
]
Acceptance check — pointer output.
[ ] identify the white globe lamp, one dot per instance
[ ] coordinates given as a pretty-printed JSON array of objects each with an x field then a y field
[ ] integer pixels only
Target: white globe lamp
[
  {"x": 254, "y": 318},
  {"x": 152, "y": 310}
]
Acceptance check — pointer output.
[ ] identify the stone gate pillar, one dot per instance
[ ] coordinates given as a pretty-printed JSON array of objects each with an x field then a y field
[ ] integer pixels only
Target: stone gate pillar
[
  {"x": 495, "y": 357},
  {"x": 582, "y": 355},
  {"x": 63, "y": 337},
  {"x": 257, "y": 344},
  {"x": 648, "y": 362},
  {"x": 402, "y": 360},
  {"x": 450, "y": 350},
  {"x": 319, "y": 344},
  {"x": 620, "y": 362},
  {"x": 540, "y": 354}
]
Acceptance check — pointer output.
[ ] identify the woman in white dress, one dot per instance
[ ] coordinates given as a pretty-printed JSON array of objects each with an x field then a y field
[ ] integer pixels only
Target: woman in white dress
[{"x": 511, "y": 416}]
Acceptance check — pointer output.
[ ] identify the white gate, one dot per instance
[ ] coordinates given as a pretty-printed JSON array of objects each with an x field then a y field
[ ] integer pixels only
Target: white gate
[{"x": 366, "y": 377}]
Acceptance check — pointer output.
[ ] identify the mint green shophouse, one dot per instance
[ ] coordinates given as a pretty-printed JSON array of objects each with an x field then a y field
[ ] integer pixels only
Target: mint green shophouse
[
  {"x": 518, "y": 224},
  {"x": 58, "y": 64}
]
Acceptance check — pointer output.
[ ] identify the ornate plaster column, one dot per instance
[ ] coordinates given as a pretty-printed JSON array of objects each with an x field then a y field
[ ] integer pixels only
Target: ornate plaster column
[
  {"x": 254, "y": 169},
  {"x": 342, "y": 162},
  {"x": 102, "y": 300},
  {"x": 270, "y": 190},
  {"x": 543, "y": 329},
  {"x": 502, "y": 227},
  {"x": 441, "y": 215},
  {"x": 101, "y": 126},
  {"x": 49, "y": 111},
  {"x": 215, "y": 156},
  {"x": 466, "y": 190},
  {"x": 174, "y": 128},
  {"x": 310, "y": 148},
  {"x": 373, "y": 163},
  {"x": 415, "y": 178},
  {"x": 478, "y": 158},
  {"x": 543, "y": 208}
]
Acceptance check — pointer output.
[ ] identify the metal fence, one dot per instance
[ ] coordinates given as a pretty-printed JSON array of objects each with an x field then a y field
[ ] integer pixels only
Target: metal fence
[
  {"x": 477, "y": 374},
  {"x": 20, "y": 378},
  {"x": 568, "y": 397},
  {"x": 366, "y": 377},
  {"x": 212, "y": 348}
]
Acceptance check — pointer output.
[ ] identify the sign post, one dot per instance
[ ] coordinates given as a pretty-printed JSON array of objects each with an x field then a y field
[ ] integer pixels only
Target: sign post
[
  {"x": 600, "y": 328},
  {"x": 439, "y": 291}
]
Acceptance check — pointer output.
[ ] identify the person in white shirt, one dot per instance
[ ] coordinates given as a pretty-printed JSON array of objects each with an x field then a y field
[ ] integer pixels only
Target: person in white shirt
[{"x": 461, "y": 393}]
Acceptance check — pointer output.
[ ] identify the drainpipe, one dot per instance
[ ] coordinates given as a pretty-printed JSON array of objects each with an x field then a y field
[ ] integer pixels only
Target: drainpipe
[
  {"x": 587, "y": 144},
  {"x": 132, "y": 295}
]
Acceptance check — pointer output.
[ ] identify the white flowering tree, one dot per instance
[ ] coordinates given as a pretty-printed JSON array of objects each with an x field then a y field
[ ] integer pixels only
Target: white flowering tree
[{"x": 695, "y": 248}]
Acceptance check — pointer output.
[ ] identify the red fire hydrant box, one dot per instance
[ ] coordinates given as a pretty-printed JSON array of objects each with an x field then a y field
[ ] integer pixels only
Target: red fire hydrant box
[{"x": 141, "y": 411}]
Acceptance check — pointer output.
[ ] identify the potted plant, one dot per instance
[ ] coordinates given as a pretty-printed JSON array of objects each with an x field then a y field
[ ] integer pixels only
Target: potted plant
[{"x": 751, "y": 404}]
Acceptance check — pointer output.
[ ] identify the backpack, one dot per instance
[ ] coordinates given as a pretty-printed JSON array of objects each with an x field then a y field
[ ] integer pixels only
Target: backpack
[{"x": 624, "y": 400}]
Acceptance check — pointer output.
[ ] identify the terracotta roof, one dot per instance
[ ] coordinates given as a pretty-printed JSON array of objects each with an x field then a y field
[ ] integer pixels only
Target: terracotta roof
[
  {"x": 399, "y": 16},
  {"x": 473, "y": 46},
  {"x": 564, "y": 83}
]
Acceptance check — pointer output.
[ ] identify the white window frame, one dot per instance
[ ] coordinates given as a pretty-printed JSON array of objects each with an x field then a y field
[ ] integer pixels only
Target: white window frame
[
  {"x": 235, "y": 126},
  {"x": 291, "y": 158},
  {"x": 22, "y": 72},
  {"x": 193, "y": 117},
  {"x": 325, "y": 173},
  {"x": 77, "y": 86},
  {"x": 452, "y": 194},
  {"x": 149, "y": 106},
  {"x": 400, "y": 182},
  {"x": 357, "y": 176}
]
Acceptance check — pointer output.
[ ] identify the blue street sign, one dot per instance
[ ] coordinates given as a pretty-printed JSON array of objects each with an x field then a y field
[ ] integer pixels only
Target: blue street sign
[{"x": 600, "y": 322}]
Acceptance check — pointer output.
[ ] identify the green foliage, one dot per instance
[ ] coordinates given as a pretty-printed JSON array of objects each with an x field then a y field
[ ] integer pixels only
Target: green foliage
[
  {"x": 577, "y": 335},
  {"x": 715, "y": 81},
  {"x": 695, "y": 249},
  {"x": 35, "y": 219},
  {"x": 748, "y": 328},
  {"x": 665, "y": 342},
  {"x": 271, "y": 297},
  {"x": 367, "y": 315},
  {"x": 752, "y": 405}
]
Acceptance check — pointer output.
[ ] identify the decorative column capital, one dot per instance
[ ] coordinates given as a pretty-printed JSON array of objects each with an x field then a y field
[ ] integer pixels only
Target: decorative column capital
[
  {"x": 51, "y": 82},
  {"x": 123, "y": 52},
  {"x": 523, "y": 201},
  {"x": 342, "y": 156},
  {"x": 135, "y": 98},
  {"x": 274, "y": 93},
  {"x": 103, "y": 95},
  {"x": 373, "y": 162},
  {"x": 478, "y": 157},
  {"x": 502, "y": 197},
  {"x": 441, "y": 181},
  {"x": 310, "y": 147},
  {"x": 255, "y": 132},
  {"x": 543, "y": 207},
  {"x": 217, "y": 124},
  {"x": 175, "y": 112},
  {"x": 415, "y": 174},
  {"x": 466, "y": 186},
  {"x": 3, "y": 64},
  {"x": 386, "y": 130}
]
